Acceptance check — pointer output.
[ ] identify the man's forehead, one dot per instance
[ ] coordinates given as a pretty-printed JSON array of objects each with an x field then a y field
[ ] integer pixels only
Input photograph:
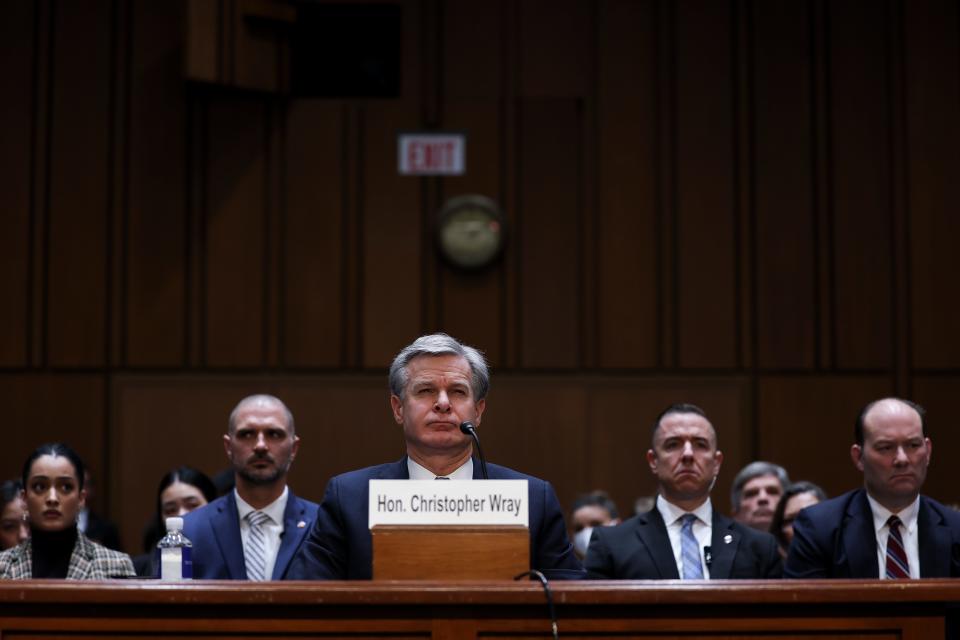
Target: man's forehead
[
  {"x": 889, "y": 417},
  {"x": 767, "y": 479},
  {"x": 261, "y": 412},
  {"x": 687, "y": 425},
  {"x": 425, "y": 368}
]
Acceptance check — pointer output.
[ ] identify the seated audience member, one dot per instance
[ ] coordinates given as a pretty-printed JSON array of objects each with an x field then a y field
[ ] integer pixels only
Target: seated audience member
[
  {"x": 13, "y": 515},
  {"x": 885, "y": 529},
  {"x": 594, "y": 509},
  {"x": 253, "y": 532},
  {"x": 643, "y": 504},
  {"x": 181, "y": 490},
  {"x": 93, "y": 525},
  {"x": 797, "y": 497},
  {"x": 755, "y": 493},
  {"x": 436, "y": 383},
  {"x": 54, "y": 493},
  {"x": 683, "y": 536}
]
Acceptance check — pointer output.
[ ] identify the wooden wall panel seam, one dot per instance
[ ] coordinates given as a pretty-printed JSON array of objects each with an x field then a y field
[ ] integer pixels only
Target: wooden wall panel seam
[
  {"x": 824, "y": 337},
  {"x": 899, "y": 183}
]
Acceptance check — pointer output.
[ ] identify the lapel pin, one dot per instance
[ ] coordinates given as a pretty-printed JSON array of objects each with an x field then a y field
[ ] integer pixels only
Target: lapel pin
[
  {"x": 301, "y": 524},
  {"x": 727, "y": 539}
]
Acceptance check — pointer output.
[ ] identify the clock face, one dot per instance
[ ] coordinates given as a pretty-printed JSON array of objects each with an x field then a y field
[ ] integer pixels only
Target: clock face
[{"x": 470, "y": 232}]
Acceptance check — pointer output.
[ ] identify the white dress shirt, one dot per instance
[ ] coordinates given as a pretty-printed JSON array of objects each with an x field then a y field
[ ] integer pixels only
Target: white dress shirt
[
  {"x": 702, "y": 529},
  {"x": 272, "y": 528},
  {"x": 419, "y": 472},
  {"x": 908, "y": 531}
]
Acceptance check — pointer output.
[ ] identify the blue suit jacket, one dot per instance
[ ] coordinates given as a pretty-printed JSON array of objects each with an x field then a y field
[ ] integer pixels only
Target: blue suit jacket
[
  {"x": 214, "y": 530},
  {"x": 339, "y": 546},
  {"x": 836, "y": 539},
  {"x": 639, "y": 549}
]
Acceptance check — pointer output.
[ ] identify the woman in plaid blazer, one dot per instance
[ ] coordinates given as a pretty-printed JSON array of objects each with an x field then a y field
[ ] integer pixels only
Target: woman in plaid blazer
[{"x": 53, "y": 491}]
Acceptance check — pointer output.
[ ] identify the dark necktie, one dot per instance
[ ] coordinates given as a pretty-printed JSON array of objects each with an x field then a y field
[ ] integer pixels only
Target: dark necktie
[{"x": 897, "y": 565}]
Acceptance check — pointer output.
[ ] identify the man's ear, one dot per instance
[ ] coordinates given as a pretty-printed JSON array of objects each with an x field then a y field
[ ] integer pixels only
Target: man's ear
[
  {"x": 226, "y": 446},
  {"x": 397, "y": 405},
  {"x": 856, "y": 454},
  {"x": 652, "y": 460},
  {"x": 481, "y": 405}
]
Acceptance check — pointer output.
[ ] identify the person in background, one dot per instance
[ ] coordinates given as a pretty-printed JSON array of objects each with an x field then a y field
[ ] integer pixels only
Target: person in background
[
  {"x": 683, "y": 536},
  {"x": 180, "y": 491},
  {"x": 253, "y": 532},
  {"x": 590, "y": 510},
  {"x": 886, "y": 529},
  {"x": 13, "y": 515},
  {"x": 53, "y": 490},
  {"x": 797, "y": 497},
  {"x": 756, "y": 492}
]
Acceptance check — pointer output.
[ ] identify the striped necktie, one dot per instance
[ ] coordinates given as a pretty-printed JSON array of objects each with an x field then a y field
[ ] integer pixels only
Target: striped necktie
[
  {"x": 897, "y": 565},
  {"x": 690, "y": 550},
  {"x": 255, "y": 551}
]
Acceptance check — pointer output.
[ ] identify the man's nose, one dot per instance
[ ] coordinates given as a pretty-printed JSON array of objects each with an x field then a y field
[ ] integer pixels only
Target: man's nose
[
  {"x": 687, "y": 450},
  {"x": 443, "y": 402},
  {"x": 261, "y": 441},
  {"x": 901, "y": 457}
]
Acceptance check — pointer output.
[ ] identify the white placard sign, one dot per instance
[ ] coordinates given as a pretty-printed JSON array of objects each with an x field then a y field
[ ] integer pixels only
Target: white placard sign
[
  {"x": 430, "y": 502},
  {"x": 431, "y": 154}
]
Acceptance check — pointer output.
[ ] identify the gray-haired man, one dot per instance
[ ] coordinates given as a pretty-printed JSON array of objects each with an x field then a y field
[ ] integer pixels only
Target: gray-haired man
[
  {"x": 435, "y": 384},
  {"x": 755, "y": 493}
]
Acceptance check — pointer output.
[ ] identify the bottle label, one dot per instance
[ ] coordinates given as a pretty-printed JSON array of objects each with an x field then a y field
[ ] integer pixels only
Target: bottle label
[{"x": 176, "y": 563}]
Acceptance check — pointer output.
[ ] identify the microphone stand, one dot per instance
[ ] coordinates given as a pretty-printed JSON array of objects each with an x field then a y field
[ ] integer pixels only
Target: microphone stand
[{"x": 469, "y": 429}]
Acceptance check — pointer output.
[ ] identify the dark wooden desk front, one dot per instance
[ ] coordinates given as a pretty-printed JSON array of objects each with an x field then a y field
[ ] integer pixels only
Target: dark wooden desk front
[{"x": 39, "y": 610}]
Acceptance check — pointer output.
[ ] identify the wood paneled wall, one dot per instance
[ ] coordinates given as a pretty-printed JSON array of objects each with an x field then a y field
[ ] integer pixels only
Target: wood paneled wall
[{"x": 749, "y": 205}]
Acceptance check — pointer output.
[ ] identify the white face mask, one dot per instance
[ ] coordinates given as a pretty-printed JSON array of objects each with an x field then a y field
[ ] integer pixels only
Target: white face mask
[{"x": 581, "y": 540}]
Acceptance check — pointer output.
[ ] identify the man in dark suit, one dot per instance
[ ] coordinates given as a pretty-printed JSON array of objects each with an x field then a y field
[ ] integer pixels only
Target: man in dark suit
[
  {"x": 683, "y": 536},
  {"x": 253, "y": 532},
  {"x": 436, "y": 383},
  {"x": 886, "y": 529}
]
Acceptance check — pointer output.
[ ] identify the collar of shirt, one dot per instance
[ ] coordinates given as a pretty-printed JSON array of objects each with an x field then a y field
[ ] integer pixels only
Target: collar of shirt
[
  {"x": 275, "y": 509},
  {"x": 671, "y": 512},
  {"x": 419, "y": 472},
  {"x": 907, "y": 516}
]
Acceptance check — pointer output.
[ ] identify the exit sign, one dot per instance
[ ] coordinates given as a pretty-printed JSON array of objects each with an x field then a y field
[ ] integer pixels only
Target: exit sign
[{"x": 431, "y": 154}]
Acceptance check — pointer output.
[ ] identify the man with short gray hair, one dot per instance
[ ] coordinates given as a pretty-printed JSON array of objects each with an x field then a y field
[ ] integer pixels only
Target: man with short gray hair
[
  {"x": 436, "y": 383},
  {"x": 755, "y": 493}
]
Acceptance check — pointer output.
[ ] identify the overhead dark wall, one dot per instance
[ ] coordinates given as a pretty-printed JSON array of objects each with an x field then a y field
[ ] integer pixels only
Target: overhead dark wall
[{"x": 748, "y": 205}]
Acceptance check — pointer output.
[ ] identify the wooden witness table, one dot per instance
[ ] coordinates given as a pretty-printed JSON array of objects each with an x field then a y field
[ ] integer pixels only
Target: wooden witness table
[{"x": 44, "y": 610}]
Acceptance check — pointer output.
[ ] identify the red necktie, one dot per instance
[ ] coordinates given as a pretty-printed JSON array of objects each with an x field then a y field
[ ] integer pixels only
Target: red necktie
[{"x": 897, "y": 565}]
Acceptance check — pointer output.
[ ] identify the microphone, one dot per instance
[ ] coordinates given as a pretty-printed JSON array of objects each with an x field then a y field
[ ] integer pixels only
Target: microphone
[
  {"x": 469, "y": 429},
  {"x": 707, "y": 556}
]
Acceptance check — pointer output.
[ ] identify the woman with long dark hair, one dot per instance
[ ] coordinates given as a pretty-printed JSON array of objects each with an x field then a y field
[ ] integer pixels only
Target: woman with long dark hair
[{"x": 53, "y": 490}]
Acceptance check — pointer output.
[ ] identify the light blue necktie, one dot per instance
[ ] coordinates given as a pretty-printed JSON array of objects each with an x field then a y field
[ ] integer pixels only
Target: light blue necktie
[
  {"x": 255, "y": 552},
  {"x": 690, "y": 550}
]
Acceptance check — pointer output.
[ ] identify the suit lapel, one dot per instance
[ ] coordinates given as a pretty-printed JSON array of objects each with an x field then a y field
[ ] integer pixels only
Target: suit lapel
[
  {"x": 295, "y": 526},
  {"x": 724, "y": 542},
  {"x": 653, "y": 535},
  {"x": 80, "y": 560},
  {"x": 934, "y": 542},
  {"x": 859, "y": 549},
  {"x": 225, "y": 525}
]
